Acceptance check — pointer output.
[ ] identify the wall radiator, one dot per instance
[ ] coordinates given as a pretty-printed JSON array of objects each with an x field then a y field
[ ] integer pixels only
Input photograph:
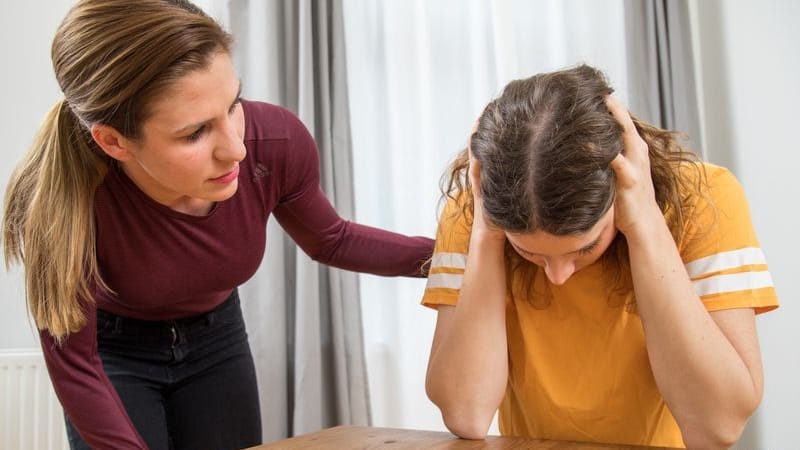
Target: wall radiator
[{"x": 31, "y": 417}]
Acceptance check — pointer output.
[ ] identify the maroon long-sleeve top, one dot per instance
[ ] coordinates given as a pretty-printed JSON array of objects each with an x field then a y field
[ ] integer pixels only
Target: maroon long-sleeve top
[{"x": 164, "y": 265}]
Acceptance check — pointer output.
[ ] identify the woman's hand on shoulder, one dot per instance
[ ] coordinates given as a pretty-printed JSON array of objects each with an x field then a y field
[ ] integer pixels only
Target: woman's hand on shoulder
[{"x": 635, "y": 202}]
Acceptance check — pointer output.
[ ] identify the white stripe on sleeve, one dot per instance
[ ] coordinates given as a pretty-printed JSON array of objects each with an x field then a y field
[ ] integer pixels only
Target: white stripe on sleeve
[
  {"x": 444, "y": 280},
  {"x": 725, "y": 260},
  {"x": 451, "y": 260},
  {"x": 732, "y": 282}
]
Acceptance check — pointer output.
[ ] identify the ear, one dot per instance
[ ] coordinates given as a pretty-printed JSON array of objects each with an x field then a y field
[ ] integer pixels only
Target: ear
[{"x": 113, "y": 143}]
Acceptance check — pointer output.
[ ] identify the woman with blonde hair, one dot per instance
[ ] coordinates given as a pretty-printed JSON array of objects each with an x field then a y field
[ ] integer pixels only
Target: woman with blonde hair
[
  {"x": 594, "y": 280},
  {"x": 142, "y": 205}
]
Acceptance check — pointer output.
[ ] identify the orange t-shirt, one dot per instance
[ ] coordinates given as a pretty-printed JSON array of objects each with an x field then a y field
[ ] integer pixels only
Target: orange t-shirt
[{"x": 578, "y": 368}]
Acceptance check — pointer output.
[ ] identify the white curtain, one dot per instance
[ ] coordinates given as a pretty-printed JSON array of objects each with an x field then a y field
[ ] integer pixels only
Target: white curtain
[{"x": 419, "y": 74}]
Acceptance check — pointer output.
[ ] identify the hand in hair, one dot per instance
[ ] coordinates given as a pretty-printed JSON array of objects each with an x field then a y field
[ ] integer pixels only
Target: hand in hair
[
  {"x": 635, "y": 204},
  {"x": 479, "y": 224}
]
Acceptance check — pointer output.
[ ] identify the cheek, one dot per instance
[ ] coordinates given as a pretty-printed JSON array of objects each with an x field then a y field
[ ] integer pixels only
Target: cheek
[
  {"x": 186, "y": 162},
  {"x": 587, "y": 260}
]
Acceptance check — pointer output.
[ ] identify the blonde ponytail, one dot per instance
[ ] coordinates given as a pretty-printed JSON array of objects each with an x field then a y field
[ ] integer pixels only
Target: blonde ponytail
[{"x": 49, "y": 221}]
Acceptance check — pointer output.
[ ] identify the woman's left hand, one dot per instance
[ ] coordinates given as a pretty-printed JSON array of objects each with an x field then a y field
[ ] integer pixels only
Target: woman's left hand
[{"x": 635, "y": 201}]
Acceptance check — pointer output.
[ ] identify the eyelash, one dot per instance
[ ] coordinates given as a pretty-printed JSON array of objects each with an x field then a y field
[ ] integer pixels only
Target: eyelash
[
  {"x": 589, "y": 249},
  {"x": 194, "y": 137},
  {"x": 234, "y": 105}
]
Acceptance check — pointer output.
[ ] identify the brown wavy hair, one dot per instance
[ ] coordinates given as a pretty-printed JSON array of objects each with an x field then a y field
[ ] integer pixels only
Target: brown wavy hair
[
  {"x": 545, "y": 147},
  {"x": 112, "y": 60}
]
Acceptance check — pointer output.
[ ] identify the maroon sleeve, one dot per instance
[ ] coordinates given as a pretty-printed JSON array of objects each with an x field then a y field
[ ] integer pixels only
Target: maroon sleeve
[
  {"x": 308, "y": 216},
  {"x": 85, "y": 392}
]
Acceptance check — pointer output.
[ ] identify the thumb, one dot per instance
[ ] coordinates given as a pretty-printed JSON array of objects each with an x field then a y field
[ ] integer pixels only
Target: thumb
[
  {"x": 618, "y": 163},
  {"x": 621, "y": 167}
]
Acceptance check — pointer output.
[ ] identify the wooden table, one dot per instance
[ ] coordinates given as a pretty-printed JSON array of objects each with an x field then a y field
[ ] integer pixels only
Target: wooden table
[{"x": 363, "y": 438}]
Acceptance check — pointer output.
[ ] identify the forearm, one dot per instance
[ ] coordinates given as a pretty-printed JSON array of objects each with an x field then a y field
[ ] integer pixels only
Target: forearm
[
  {"x": 88, "y": 398},
  {"x": 327, "y": 238},
  {"x": 704, "y": 381},
  {"x": 373, "y": 250},
  {"x": 468, "y": 367}
]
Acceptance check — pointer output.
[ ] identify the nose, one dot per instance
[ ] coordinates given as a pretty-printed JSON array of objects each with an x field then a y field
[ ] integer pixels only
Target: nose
[
  {"x": 559, "y": 271},
  {"x": 230, "y": 145}
]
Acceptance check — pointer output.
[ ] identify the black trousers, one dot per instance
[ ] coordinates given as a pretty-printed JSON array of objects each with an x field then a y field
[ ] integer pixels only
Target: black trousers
[{"x": 186, "y": 384}]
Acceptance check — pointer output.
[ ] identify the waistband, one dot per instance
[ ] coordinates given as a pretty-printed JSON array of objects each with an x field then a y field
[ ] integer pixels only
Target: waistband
[{"x": 229, "y": 305}]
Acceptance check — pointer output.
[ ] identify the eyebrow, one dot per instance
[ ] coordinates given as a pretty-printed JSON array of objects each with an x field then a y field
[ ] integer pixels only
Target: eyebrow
[
  {"x": 584, "y": 248},
  {"x": 200, "y": 124}
]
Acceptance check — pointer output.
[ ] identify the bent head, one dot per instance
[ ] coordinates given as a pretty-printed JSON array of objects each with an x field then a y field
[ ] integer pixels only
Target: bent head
[{"x": 545, "y": 147}]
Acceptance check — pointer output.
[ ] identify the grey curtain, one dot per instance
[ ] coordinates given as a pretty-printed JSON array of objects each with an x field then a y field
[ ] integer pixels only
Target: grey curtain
[
  {"x": 661, "y": 75},
  {"x": 304, "y": 319}
]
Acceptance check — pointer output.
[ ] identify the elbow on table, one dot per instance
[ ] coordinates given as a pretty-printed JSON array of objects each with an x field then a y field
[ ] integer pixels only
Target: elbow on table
[
  {"x": 463, "y": 421},
  {"x": 721, "y": 430},
  {"x": 722, "y": 435},
  {"x": 466, "y": 411},
  {"x": 466, "y": 425},
  {"x": 710, "y": 440}
]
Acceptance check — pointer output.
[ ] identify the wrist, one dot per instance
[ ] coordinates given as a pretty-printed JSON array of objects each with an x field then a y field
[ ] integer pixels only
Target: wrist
[
  {"x": 487, "y": 246},
  {"x": 486, "y": 235},
  {"x": 646, "y": 228}
]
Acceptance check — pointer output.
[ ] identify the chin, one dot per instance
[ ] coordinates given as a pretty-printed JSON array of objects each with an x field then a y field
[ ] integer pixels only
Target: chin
[{"x": 226, "y": 193}]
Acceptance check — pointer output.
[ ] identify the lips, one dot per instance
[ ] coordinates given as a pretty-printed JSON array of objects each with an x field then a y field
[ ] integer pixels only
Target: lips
[{"x": 228, "y": 177}]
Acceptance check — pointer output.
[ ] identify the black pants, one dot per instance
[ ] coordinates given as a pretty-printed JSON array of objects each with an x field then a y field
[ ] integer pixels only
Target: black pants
[{"x": 185, "y": 384}]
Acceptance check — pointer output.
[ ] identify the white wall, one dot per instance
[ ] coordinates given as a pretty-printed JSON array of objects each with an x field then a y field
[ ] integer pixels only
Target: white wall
[
  {"x": 750, "y": 52},
  {"x": 27, "y": 90}
]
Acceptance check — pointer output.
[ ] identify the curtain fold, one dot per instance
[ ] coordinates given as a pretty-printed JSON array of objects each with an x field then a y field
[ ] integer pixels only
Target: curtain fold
[
  {"x": 304, "y": 319},
  {"x": 661, "y": 75}
]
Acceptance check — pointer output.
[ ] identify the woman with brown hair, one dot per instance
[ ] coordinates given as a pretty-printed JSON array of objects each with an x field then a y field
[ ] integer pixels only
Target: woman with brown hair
[
  {"x": 142, "y": 205},
  {"x": 594, "y": 280}
]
